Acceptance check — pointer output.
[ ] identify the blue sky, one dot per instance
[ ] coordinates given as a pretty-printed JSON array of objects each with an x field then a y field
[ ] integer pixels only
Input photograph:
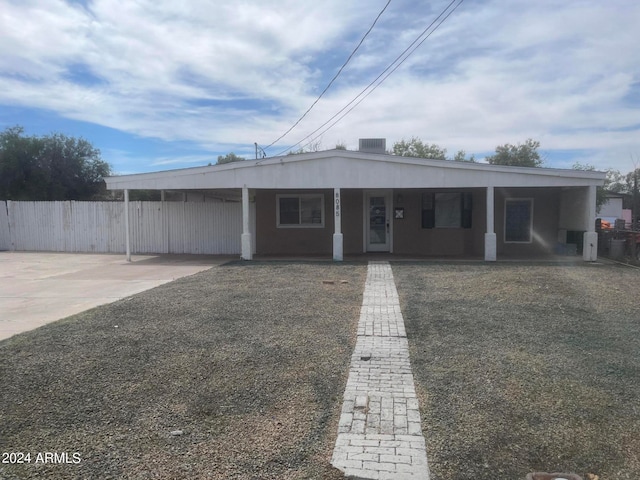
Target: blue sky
[{"x": 159, "y": 84}]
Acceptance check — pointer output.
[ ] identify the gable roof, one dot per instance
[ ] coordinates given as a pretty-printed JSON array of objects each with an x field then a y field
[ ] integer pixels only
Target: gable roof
[{"x": 347, "y": 169}]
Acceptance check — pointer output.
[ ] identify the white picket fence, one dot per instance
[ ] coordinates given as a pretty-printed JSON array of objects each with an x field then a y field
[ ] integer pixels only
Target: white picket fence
[{"x": 155, "y": 227}]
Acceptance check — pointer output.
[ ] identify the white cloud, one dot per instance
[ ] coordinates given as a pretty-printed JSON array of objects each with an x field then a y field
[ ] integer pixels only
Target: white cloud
[{"x": 224, "y": 75}]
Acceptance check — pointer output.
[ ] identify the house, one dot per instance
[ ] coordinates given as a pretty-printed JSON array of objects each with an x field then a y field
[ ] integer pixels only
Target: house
[
  {"x": 339, "y": 202},
  {"x": 613, "y": 208}
]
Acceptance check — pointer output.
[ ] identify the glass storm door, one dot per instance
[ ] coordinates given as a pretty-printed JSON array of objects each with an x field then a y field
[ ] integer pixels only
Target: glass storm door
[{"x": 377, "y": 223}]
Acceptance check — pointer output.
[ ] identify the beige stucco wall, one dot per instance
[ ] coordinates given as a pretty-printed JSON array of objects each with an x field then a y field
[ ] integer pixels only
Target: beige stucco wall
[
  {"x": 546, "y": 213},
  {"x": 271, "y": 240},
  {"x": 409, "y": 238},
  {"x": 573, "y": 214}
]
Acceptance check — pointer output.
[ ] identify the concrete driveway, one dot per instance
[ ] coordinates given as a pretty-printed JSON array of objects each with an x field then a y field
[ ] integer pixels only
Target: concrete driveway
[{"x": 38, "y": 288}]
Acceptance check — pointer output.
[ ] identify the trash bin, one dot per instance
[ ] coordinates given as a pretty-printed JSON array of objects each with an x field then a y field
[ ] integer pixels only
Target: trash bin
[{"x": 616, "y": 249}]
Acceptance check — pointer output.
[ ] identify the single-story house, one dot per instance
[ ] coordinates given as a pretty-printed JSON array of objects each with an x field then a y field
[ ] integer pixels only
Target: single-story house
[{"x": 340, "y": 202}]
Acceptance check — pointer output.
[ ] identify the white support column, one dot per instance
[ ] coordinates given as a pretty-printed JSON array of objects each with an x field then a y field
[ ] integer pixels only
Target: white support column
[
  {"x": 247, "y": 253},
  {"x": 590, "y": 239},
  {"x": 337, "y": 219},
  {"x": 127, "y": 234},
  {"x": 490, "y": 241}
]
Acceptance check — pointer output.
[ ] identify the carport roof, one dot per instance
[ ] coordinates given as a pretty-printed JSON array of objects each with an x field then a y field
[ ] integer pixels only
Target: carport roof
[{"x": 347, "y": 169}]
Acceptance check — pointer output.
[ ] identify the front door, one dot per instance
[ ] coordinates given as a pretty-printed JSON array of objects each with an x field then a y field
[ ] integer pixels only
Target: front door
[{"x": 377, "y": 222}]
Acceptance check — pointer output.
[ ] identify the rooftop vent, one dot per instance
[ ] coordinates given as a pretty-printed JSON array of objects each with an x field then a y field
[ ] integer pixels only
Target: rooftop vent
[{"x": 373, "y": 145}]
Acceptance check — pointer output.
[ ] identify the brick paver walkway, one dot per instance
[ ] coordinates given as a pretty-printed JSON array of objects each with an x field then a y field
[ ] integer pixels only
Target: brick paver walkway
[{"x": 379, "y": 435}]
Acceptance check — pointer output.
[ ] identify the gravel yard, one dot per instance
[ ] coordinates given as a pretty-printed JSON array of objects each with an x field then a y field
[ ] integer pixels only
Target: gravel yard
[
  {"x": 525, "y": 367},
  {"x": 519, "y": 368},
  {"x": 245, "y": 363}
]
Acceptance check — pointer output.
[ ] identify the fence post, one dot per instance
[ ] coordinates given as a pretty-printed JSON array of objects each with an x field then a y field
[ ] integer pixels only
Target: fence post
[{"x": 127, "y": 234}]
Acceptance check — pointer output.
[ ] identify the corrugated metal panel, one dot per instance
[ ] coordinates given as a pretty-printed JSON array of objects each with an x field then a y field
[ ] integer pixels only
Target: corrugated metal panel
[
  {"x": 204, "y": 227},
  {"x": 67, "y": 226},
  {"x": 146, "y": 227},
  {"x": 183, "y": 227}
]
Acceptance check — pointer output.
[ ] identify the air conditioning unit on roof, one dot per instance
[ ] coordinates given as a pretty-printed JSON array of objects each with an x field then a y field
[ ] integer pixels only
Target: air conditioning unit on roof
[{"x": 373, "y": 145}]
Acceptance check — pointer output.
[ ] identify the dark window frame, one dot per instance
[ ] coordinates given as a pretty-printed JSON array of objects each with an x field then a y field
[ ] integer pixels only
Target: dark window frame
[
  {"x": 428, "y": 210},
  {"x": 300, "y": 197}
]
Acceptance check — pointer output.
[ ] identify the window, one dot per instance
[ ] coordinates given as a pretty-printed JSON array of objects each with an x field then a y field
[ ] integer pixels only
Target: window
[
  {"x": 300, "y": 210},
  {"x": 446, "y": 210},
  {"x": 518, "y": 220}
]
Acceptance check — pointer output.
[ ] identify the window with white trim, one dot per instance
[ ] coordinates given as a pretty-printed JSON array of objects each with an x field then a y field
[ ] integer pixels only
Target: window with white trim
[
  {"x": 518, "y": 220},
  {"x": 303, "y": 210}
]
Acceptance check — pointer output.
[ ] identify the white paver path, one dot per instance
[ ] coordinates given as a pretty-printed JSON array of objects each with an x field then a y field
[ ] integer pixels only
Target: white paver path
[{"x": 379, "y": 435}]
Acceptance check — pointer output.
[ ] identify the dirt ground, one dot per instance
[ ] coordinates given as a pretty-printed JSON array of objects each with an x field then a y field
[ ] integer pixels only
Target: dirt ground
[
  {"x": 238, "y": 372},
  {"x": 525, "y": 368},
  {"x": 233, "y": 373}
]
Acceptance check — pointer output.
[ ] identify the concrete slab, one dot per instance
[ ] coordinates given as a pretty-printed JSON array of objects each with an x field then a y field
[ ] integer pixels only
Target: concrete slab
[{"x": 37, "y": 288}]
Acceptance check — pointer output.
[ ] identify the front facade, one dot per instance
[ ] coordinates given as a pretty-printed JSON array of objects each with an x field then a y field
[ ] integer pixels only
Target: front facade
[{"x": 338, "y": 203}]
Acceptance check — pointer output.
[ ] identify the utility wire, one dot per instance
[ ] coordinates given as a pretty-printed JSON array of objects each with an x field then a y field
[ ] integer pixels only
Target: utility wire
[
  {"x": 390, "y": 69},
  {"x": 372, "y": 89},
  {"x": 333, "y": 79},
  {"x": 411, "y": 47}
]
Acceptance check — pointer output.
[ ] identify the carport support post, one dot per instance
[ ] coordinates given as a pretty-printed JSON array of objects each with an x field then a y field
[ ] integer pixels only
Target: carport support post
[
  {"x": 246, "y": 235},
  {"x": 490, "y": 242},
  {"x": 337, "y": 220},
  {"x": 590, "y": 240},
  {"x": 127, "y": 234}
]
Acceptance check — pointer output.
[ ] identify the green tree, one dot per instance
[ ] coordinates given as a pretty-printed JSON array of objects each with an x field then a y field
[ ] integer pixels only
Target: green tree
[
  {"x": 417, "y": 148},
  {"x": 633, "y": 187},
  {"x": 615, "y": 181},
  {"x": 521, "y": 155},
  {"x": 229, "y": 158},
  {"x": 461, "y": 156},
  {"x": 53, "y": 167},
  {"x": 630, "y": 182},
  {"x": 18, "y": 161}
]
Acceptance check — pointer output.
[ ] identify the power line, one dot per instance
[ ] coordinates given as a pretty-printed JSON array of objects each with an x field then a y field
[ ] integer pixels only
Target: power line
[
  {"x": 390, "y": 69},
  {"x": 411, "y": 48},
  {"x": 333, "y": 79},
  {"x": 376, "y": 86}
]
